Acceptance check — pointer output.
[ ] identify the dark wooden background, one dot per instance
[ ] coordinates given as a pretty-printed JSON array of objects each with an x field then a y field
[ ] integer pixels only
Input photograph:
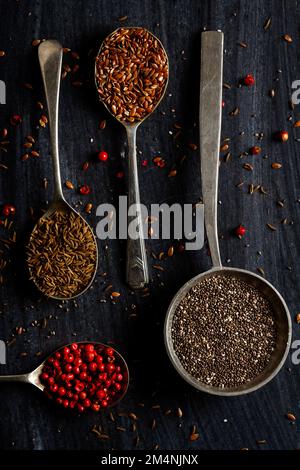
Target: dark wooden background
[{"x": 134, "y": 323}]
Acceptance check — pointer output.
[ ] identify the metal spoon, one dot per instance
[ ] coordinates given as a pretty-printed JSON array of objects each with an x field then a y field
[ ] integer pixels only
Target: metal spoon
[
  {"x": 210, "y": 130},
  {"x": 136, "y": 264},
  {"x": 50, "y": 58},
  {"x": 33, "y": 377}
]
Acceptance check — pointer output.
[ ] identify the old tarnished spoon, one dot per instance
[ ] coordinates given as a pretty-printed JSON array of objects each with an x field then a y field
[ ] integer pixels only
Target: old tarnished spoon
[
  {"x": 136, "y": 266},
  {"x": 50, "y": 58}
]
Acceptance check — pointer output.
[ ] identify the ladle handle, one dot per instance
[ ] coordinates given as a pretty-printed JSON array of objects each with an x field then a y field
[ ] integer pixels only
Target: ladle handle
[
  {"x": 50, "y": 57},
  {"x": 211, "y": 84},
  {"x": 136, "y": 264},
  {"x": 24, "y": 378}
]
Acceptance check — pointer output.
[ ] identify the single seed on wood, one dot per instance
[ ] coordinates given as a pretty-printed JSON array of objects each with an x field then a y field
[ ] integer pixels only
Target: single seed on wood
[
  {"x": 193, "y": 146},
  {"x": 102, "y": 124},
  {"x": 2, "y": 53},
  {"x": 179, "y": 413},
  {"x": 296, "y": 124},
  {"x": 272, "y": 93},
  {"x": 36, "y": 42},
  {"x": 267, "y": 24},
  {"x": 292, "y": 107},
  {"x": 248, "y": 166},
  {"x": 132, "y": 416},
  {"x": 69, "y": 184},
  {"x": 224, "y": 148},
  {"x": 159, "y": 268},
  {"x": 171, "y": 251},
  {"x": 298, "y": 318},
  {"x": 115, "y": 294},
  {"x": 120, "y": 428},
  {"x": 75, "y": 55},
  {"x": 271, "y": 227},
  {"x": 276, "y": 166},
  {"x": 243, "y": 45},
  {"x": 235, "y": 111},
  {"x": 34, "y": 153},
  {"x": 261, "y": 271}
]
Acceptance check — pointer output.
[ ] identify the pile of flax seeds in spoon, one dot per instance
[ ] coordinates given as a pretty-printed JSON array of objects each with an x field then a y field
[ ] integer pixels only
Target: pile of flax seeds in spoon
[
  {"x": 224, "y": 332},
  {"x": 62, "y": 255}
]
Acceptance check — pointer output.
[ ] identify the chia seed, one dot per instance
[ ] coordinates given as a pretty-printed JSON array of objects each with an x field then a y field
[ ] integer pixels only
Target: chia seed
[{"x": 224, "y": 332}]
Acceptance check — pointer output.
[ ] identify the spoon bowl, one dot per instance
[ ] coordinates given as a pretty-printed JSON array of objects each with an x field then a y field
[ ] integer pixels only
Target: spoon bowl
[
  {"x": 137, "y": 275},
  {"x": 33, "y": 377},
  {"x": 63, "y": 207}
]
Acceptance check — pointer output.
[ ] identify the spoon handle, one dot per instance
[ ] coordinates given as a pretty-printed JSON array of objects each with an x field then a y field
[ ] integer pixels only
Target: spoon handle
[
  {"x": 15, "y": 378},
  {"x": 211, "y": 83},
  {"x": 50, "y": 58},
  {"x": 136, "y": 266}
]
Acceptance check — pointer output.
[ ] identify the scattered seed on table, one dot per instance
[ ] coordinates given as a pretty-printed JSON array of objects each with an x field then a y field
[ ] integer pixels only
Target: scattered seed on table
[
  {"x": 276, "y": 166},
  {"x": 61, "y": 255},
  {"x": 69, "y": 184},
  {"x": 291, "y": 417},
  {"x": 287, "y": 38},
  {"x": 248, "y": 166}
]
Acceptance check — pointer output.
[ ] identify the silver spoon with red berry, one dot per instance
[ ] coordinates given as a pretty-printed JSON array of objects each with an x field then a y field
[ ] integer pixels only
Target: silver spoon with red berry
[{"x": 80, "y": 376}]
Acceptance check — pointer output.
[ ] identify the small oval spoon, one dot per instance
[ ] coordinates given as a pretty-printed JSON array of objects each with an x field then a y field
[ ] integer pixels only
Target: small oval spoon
[
  {"x": 50, "y": 58},
  {"x": 33, "y": 377},
  {"x": 136, "y": 265}
]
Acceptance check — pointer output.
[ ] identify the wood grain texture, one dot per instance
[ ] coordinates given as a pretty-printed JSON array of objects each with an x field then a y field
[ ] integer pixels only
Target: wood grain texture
[{"x": 134, "y": 323}]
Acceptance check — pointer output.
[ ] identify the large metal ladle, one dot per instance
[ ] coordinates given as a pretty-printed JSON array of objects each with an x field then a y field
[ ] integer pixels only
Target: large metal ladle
[{"x": 210, "y": 131}]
